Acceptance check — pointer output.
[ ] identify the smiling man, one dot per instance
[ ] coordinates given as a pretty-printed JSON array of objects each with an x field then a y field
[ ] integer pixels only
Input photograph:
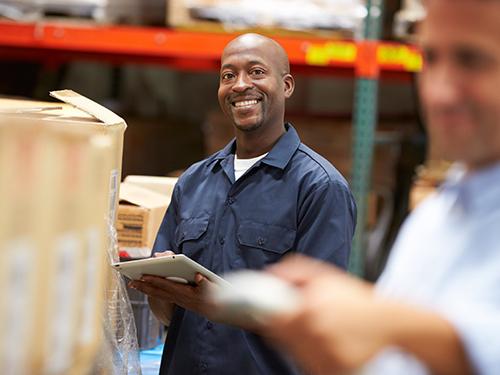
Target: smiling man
[{"x": 263, "y": 196}]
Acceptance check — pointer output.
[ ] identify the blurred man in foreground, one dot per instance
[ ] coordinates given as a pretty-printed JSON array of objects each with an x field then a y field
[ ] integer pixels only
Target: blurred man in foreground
[{"x": 436, "y": 308}]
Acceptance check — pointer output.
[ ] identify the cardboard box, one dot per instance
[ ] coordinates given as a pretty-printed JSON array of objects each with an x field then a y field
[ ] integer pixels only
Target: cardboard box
[
  {"x": 161, "y": 185},
  {"x": 140, "y": 214},
  {"x": 59, "y": 193},
  {"x": 23, "y": 242}
]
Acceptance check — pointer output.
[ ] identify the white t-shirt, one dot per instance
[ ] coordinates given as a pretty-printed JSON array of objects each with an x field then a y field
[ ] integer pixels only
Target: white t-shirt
[{"x": 243, "y": 165}]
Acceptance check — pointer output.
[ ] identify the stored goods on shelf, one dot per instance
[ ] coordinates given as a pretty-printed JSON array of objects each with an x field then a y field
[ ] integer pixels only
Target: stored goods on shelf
[{"x": 342, "y": 16}]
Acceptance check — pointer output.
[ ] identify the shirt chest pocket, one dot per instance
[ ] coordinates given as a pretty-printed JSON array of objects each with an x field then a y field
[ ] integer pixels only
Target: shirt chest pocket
[
  {"x": 190, "y": 236},
  {"x": 262, "y": 244}
]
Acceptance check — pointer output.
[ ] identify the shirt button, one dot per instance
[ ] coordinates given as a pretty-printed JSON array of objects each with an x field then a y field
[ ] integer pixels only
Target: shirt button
[
  {"x": 210, "y": 325},
  {"x": 261, "y": 241},
  {"x": 204, "y": 366},
  {"x": 230, "y": 200},
  {"x": 222, "y": 240}
]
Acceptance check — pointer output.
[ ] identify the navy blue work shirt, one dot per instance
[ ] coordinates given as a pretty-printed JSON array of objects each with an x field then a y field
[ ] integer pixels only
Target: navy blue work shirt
[{"x": 292, "y": 200}]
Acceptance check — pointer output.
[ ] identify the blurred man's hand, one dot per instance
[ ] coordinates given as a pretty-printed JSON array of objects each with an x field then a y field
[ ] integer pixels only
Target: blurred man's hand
[{"x": 339, "y": 325}]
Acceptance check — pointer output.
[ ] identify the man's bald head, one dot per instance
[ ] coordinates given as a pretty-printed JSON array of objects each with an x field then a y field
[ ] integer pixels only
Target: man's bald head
[
  {"x": 254, "y": 85},
  {"x": 253, "y": 41}
]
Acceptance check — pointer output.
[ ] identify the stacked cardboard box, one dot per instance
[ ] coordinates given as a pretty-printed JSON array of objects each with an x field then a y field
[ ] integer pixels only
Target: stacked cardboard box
[
  {"x": 60, "y": 167},
  {"x": 143, "y": 203}
]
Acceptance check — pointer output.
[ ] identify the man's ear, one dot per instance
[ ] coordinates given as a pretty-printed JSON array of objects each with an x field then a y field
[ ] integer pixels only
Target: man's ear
[{"x": 289, "y": 85}]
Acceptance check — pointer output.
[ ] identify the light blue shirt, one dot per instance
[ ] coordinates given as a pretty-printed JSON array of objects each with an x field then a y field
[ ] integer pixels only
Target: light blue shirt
[{"x": 447, "y": 258}]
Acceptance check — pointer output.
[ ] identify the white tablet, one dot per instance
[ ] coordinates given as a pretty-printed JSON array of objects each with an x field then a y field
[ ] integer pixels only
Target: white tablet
[{"x": 176, "y": 267}]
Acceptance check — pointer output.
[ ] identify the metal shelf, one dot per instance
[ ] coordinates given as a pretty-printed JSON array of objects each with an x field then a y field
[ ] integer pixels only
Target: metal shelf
[
  {"x": 59, "y": 42},
  {"x": 367, "y": 60}
]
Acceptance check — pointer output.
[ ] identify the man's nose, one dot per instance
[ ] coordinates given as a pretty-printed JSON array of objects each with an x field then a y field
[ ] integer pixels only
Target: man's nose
[
  {"x": 242, "y": 83},
  {"x": 442, "y": 86}
]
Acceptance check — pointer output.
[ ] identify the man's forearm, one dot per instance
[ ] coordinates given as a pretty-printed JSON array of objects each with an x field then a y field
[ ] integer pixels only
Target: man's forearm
[
  {"x": 161, "y": 309},
  {"x": 429, "y": 337}
]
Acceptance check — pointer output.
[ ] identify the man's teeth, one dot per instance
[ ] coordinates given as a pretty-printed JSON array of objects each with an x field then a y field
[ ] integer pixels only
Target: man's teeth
[{"x": 245, "y": 103}]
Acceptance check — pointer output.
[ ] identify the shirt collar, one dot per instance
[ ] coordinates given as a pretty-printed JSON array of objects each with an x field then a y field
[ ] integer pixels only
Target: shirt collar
[
  {"x": 278, "y": 157},
  {"x": 228, "y": 150},
  {"x": 476, "y": 190},
  {"x": 284, "y": 149}
]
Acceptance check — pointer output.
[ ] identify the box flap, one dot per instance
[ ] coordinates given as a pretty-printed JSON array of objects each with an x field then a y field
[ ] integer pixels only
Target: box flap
[
  {"x": 161, "y": 185},
  {"x": 141, "y": 196},
  {"x": 85, "y": 104}
]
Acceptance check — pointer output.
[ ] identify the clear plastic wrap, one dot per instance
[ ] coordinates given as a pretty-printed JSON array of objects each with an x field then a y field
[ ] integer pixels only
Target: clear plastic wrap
[{"x": 120, "y": 354}]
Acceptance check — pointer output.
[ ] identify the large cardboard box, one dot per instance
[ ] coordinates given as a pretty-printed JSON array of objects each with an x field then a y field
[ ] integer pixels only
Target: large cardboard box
[
  {"x": 139, "y": 217},
  {"x": 59, "y": 192},
  {"x": 23, "y": 242}
]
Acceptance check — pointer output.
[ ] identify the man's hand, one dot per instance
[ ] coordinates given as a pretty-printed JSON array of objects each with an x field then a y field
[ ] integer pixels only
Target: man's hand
[
  {"x": 342, "y": 324},
  {"x": 339, "y": 325},
  {"x": 190, "y": 297},
  {"x": 162, "y": 291}
]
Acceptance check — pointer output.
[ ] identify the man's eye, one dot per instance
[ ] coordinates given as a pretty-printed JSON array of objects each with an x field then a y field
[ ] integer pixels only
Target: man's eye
[
  {"x": 473, "y": 60},
  {"x": 257, "y": 72},
  {"x": 227, "y": 76},
  {"x": 429, "y": 56}
]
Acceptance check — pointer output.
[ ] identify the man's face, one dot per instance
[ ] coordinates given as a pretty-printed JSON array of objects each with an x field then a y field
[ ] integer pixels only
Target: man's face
[
  {"x": 460, "y": 83},
  {"x": 253, "y": 86}
]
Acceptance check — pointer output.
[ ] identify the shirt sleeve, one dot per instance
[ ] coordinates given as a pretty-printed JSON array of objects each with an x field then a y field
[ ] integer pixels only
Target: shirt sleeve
[
  {"x": 326, "y": 223},
  {"x": 165, "y": 239},
  {"x": 473, "y": 308},
  {"x": 479, "y": 329}
]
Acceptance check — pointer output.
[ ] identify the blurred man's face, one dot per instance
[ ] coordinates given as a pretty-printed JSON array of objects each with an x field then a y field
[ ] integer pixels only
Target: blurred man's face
[{"x": 460, "y": 83}]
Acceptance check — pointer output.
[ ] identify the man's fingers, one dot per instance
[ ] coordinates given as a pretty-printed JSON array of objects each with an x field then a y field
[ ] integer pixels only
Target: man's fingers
[
  {"x": 161, "y": 282},
  {"x": 151, "y": 290},
  {"x": 202, "y": 281}
]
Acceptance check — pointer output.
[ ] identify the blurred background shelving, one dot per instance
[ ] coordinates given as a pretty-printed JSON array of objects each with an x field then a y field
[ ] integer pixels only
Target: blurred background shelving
[{"x": 156, "y": 62}]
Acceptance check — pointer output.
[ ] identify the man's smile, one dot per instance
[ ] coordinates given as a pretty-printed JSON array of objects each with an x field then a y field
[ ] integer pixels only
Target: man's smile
[{"x": 245, "y": 103}]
